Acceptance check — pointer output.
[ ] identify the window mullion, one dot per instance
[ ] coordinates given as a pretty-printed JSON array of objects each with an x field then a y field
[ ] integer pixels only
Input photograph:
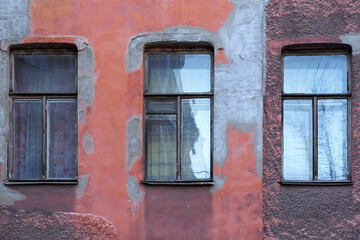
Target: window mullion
[
  {"x": 44, "y": 137},
  {"x": 179, "y": 139},
  {"x": 315, "y": 139}
]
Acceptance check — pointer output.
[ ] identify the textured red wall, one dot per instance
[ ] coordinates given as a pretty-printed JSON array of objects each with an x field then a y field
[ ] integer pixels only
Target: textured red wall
[{"x": 307, "y": 212}]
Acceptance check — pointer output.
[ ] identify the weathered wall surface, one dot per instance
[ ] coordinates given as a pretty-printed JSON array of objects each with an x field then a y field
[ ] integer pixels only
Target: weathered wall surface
[
  {"x": 113, "y": 34},
  {"x": 308, "y": 212}
]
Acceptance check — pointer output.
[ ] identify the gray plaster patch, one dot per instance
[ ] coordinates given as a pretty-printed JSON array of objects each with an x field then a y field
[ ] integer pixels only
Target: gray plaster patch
[
  {"x": 133, "y": 189},
  {"x": 133, "y": 140},
  {"x": 86, "y": 64},
  {"x": 238, "y": 84},
  {"x": 82, "y": 184},
  {"x": 4, "y": 107},
  {"x": 8, "y": 196},
  {"x": 134, "y": 54},
  {"x": 14, "y": 18},
  {"x": 14, "y": 22},
  {"x": 219, "y": 182},
  {"x": 88, "y": 144},
  {"x": 353, "y": 39}
]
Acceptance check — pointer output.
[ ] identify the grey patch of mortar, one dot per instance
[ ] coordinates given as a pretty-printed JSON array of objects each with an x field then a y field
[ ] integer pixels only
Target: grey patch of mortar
[
  {"x": 238, "y": 85},
  {"x": 4, "y": 107},
  {"x": 219, "y": 182},
  {"x": 14, "y": 23},
  {"x": 88, "y": 144},
  {"x": 352, "y": 39},
  {"x": 133, "y": 189},
  {"x": 82, "y": 184},
  {"x": 8, "y": 196},
  {"x": 80, "y": 42},
  {"x": 86, "y": 65},
  {"x": 14, "y": 18},
  {"x": 134, "y": 54},
  {"x": 133, "y": 140}
]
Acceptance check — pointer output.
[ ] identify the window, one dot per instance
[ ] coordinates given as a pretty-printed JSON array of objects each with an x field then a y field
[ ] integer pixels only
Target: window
[
  {"x": 43, "y": 94},
  {"x": 316, "y": 103},
  {"x": 178, "y": 100}
]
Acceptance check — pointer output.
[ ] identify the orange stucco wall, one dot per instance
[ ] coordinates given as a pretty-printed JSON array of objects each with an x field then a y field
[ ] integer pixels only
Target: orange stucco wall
[{"x": 233, "y": 212}]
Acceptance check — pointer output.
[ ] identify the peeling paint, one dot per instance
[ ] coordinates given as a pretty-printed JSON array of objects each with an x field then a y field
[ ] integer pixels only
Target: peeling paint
[
  {"x": 8, "y": 196},
  {"x": 133, "y": 140},
  {"x": 88, "y": 143},
  {"x": 219, "y": 182},
  {"x": 82, "y": 184},
  {"x": 238, "y": 84},
  {"x": 134, "y": 53},
  {"x": 133, "y": 189},
  {"x": 352, "y": 39}
]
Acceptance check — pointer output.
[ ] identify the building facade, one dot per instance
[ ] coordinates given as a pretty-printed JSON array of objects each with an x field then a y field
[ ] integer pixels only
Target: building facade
[{"x": 172, "y": 119}]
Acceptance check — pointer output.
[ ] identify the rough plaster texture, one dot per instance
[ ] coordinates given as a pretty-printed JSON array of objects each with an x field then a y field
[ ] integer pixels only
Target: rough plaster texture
[
  {"x": 238, "y": 83},
  {"x": 14, "y": 22},
  {"x": 353, "y": 39},
  {"x": 135, "y": 49},
  {"x": 133, "y": 140},
  {"x": 33, "y": 224},
  {"x": 133, "y": 189},
  {"x": 86, "y": 65},
  {"x": 14, "y": 18},
  {"x": 308, "y": 212},
  {"x": 218, "y": 183}
]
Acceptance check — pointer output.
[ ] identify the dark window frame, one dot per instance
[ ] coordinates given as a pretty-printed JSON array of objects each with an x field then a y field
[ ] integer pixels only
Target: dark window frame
[
  {"x": 40, "y": 49},
  {"x": 178, "y": 49},
  {"x": 297, "y": 50}
]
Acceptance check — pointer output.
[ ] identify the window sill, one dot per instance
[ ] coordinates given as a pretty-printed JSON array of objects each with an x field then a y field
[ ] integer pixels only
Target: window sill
[
  {"x": 317, "y": 183},
  {"x": 179, "y": 183},
  {"x": 9, "y": 183}
]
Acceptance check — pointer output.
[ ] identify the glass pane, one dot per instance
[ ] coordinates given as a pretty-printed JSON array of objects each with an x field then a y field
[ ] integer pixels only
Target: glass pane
[
  {"x": 315, "y": 74},
  {"x": 161, "y": 146},
  {"x": 27, "y": 139},
  {"x": 332, "y": 139},
  {"x": 195, "y": 161},
  {"x": 174, "y": 73},
  {"x": 45, "y": 73},
  {"x": 297, "y": 140},
  {"x": 160, "y": 105},
  {"x": 61, "y": 138}
]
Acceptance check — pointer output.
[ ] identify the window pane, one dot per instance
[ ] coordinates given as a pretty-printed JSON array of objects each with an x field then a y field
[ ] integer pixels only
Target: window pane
[
  {"x": 195, "y": 162},
  {"x": 45, "y": 73},
  {"x": 315, "y": 74},
  {"x": 297, "y": 140},
  {"x": 160, "y": 105},
  {"x": 27, "y": 139},
  {"x": 161, "y": 146},
  {"x": 61, "y": 138},
  {"x": 174, "y": 73},
  {"x": 332, "y": 139}
]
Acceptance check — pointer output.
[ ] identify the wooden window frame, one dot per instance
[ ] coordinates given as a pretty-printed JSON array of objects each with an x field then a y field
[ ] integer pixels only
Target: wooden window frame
[
  {"x": 176, "y": 49},
  {"x": 46, "y": 49},
  {"x": 318, "y": 51}
]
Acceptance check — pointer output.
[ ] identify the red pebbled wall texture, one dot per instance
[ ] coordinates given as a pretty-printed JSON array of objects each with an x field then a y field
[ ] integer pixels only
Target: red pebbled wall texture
[
  {"x": 36, "y": 224},
  {"x": 308, "y": 212}
]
